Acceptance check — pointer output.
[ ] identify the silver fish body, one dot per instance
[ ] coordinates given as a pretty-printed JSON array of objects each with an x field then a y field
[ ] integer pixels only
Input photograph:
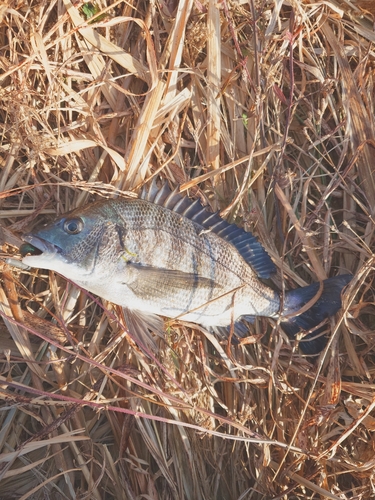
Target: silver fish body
[{"x": 163, "y": 255}]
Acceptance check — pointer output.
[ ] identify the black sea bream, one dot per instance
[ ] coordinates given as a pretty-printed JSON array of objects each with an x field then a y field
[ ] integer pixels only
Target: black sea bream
[{"x": 166, "y": 255}]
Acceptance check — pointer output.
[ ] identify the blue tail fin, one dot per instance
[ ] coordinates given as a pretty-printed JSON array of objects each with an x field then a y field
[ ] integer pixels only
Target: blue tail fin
[{"x": 327, "y": 305}]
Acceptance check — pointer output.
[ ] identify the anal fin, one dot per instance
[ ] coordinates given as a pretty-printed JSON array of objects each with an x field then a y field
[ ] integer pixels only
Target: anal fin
[{"x": 141, "y": 324}]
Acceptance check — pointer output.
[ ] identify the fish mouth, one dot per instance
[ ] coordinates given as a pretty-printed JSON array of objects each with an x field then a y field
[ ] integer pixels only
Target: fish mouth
[{"x": 36, "y": 246}]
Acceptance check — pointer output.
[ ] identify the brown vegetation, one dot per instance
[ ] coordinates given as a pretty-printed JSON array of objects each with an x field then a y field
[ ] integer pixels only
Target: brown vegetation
[{"x": 265, "y": 109}]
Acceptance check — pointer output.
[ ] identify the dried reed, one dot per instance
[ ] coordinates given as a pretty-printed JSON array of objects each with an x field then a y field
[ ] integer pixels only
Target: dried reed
[{"x": 265, "y": 109}]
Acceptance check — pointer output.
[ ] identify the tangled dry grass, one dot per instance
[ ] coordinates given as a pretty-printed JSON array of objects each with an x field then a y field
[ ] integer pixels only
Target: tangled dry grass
[{"x": 265, "y": 108}]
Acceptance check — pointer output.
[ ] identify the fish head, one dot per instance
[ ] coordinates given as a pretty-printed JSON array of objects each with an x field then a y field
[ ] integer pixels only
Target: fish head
[{"x": 78, "y": 245}]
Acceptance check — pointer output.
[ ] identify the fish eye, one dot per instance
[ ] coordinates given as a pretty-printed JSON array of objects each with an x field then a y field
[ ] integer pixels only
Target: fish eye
[{"x": 73, "y": 226}]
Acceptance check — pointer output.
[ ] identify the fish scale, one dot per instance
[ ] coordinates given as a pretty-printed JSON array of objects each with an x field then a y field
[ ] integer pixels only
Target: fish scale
[
  {"x": 163, "y": 254},
  {"x": 193, "y": 251}
]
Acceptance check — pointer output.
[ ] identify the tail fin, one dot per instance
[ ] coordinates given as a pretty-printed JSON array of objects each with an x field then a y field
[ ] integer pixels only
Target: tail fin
[{"x": 327, "y": 305}]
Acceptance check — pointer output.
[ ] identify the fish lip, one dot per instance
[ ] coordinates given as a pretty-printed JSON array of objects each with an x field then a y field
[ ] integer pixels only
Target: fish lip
[{"x": 41, "y": 244}]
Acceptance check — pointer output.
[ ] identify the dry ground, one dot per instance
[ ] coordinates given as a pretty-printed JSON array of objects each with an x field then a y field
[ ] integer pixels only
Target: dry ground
[{"x": 265, "y": 109}]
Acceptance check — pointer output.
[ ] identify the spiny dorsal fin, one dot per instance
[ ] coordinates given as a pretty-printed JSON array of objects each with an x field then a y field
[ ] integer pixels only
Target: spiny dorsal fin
[{"x": 246, "y": 244}]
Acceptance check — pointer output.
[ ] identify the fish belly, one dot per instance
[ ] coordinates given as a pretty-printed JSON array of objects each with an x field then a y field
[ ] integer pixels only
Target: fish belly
[{"x": 216, "y": 309}]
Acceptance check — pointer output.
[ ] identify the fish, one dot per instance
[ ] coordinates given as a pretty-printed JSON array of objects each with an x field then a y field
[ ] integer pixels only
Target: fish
[{"x": 165, "y": 255}]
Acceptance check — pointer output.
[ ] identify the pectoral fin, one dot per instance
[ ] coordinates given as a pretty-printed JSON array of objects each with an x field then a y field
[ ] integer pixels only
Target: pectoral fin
[{"x": 148, "y": 280}]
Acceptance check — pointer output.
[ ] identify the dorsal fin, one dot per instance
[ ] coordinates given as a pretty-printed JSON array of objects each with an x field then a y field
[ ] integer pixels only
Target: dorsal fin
[{"x": 246, "y": 244}]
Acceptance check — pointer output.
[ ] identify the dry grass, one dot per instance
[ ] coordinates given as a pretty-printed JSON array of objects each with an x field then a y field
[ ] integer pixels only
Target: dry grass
[{"x": 266, "y": 109}]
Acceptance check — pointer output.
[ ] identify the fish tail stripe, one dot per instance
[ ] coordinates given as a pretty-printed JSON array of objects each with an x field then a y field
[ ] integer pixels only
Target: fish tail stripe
[{"x": 246, "y": 244}]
